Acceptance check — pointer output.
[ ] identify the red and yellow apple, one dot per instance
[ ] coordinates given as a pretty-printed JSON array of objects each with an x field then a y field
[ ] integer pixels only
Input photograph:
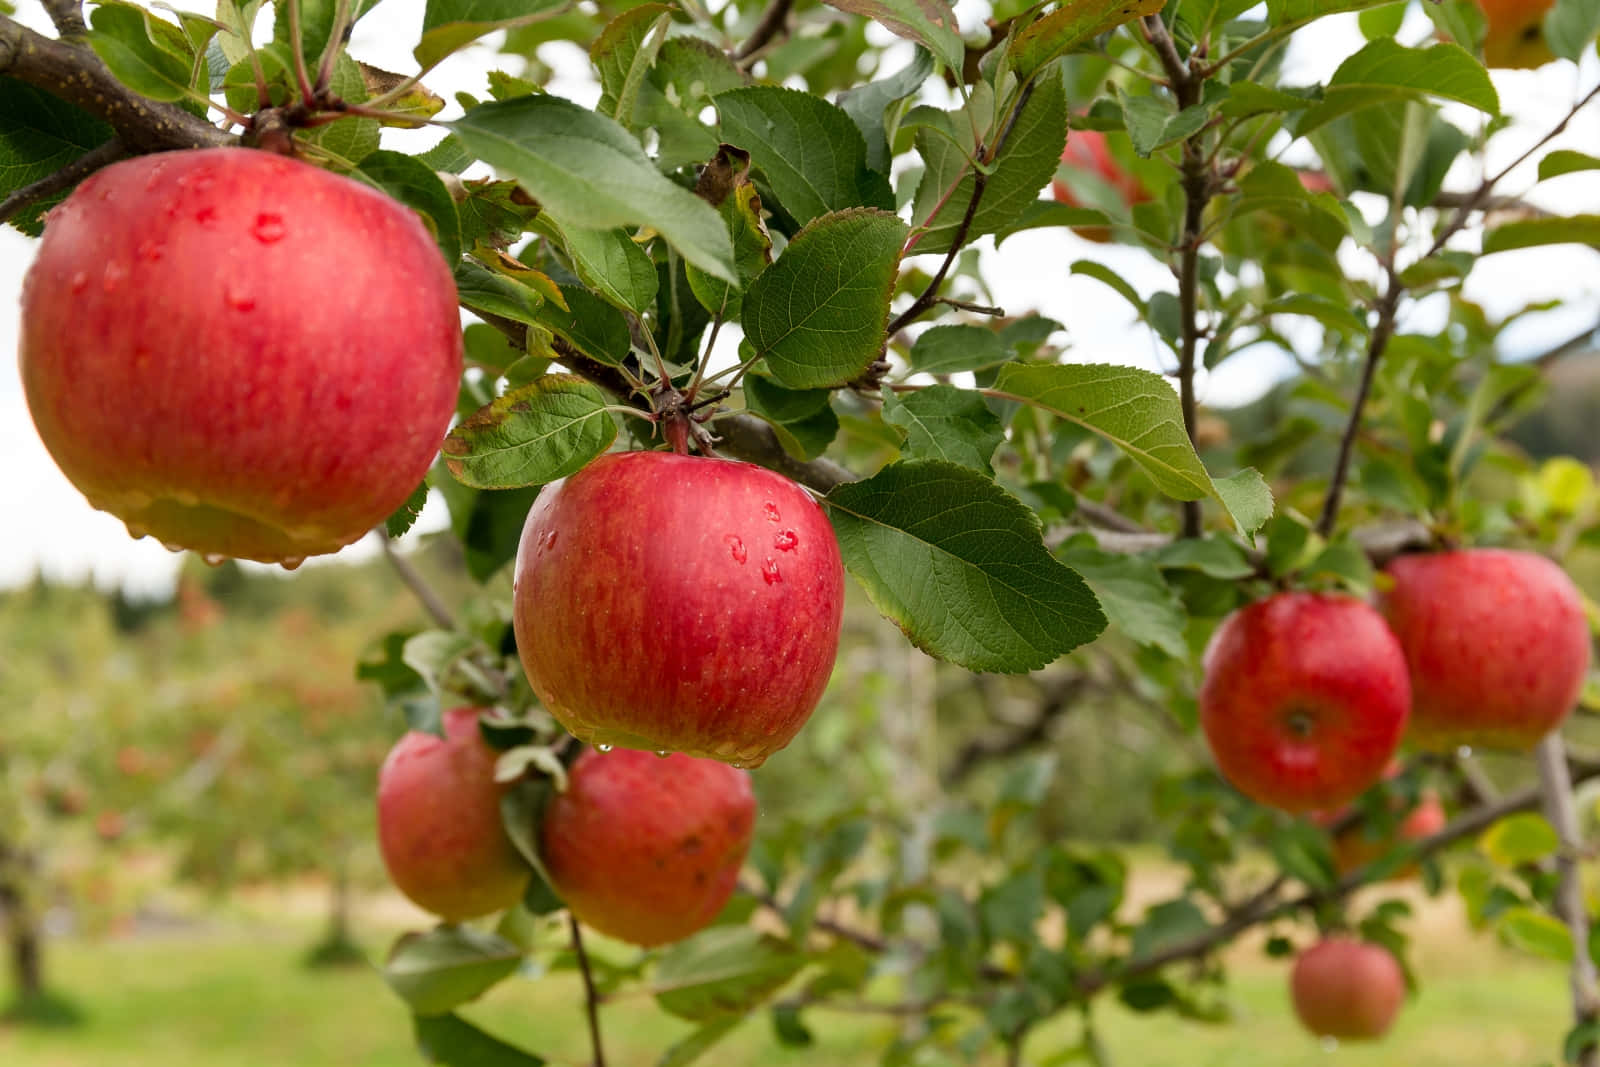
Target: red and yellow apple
[
  {"x": 239, "y": 353},
  {"x": 1304, "y": 699},
  {"x": 1515, "y": 35},
  {"x": 439, "y": 827},
  {"x": 1347, "y": 989},
  {"x": 678, "y": 603},
  {"x": 646, "y": 848},
  {"x": 1496, "y": 643},
  {"x": 1088, "y": 153}
]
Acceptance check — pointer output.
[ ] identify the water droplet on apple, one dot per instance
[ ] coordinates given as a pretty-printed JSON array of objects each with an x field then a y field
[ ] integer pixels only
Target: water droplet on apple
[
  {"x": 237, "y": 298},
  {"x": 170, "y": 547},
  {"x": 206, "y": 216},
  {"x": 79, "y": 282},
  {"x": 603, "y": 748},
  {"x": 736, "y": 764},
  {"x": 787, "y": 541},
  {"x": 1330, "y": 1044},
  {"x": 549, "y": 541},
  {"x": 269, "y": 228},
  {"x": 292, "y": 563},
  {"x": 214, "y": 559},
  {"x": 769, "y": 571},
  {"x": 186, "y": 498},
  {"x": 662, "y": 753},
  {"x": 772, "y": 511},
  {"x": 116, "y": 271},
  {"x": 1465, "y": 752},
  {"x": 736, "y": 548},
  {"x": 136, "y": 531},
  {"x": 150, "y": 250}
]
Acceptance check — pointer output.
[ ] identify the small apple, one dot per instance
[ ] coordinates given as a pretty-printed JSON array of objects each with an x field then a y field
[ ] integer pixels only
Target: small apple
[
  {"x": 439, "y": 825},
  {"x": 1496, "y": 641},
  {"x": 1515, "y": 35},
  {"x": 239, "y": 353},
  {"x": 645, "y": 848},
  {"x": 1088, "y": 153},
  {"x": 1355, "y": 847},
  {"x": 1304, "y": 699},
  {"x": 678, "y": 603},
  {"x": 1347, "y": 989}
]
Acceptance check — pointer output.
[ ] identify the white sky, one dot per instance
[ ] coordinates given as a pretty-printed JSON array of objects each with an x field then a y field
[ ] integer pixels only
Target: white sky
[{"x": 55, "y": 530}]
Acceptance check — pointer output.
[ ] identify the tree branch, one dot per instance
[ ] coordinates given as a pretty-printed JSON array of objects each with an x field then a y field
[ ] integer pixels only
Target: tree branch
[
  {"x": 1057, "y": 700},
  {"x": 1377, "y": 344},
  {"x": 591, "y": 999},
  {"x": 1555, "y": 788},
  {"x": 73, "y": 73},
  {"x": 774, "y": 21},
  {"x": 431, "y": 601},
  {"x": 66, "y": 16}
]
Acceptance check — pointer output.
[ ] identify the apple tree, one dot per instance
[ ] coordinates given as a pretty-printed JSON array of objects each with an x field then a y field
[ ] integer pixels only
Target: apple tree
[{"x": 780, "y": 234}]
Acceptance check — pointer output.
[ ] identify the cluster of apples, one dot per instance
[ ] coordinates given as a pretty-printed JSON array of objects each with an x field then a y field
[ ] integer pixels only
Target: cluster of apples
[{"x": 1306, "y": 697}]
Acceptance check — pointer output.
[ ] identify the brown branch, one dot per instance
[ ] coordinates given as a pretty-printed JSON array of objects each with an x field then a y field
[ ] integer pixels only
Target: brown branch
[
  {"x": 1058, "y": 699},
  {"x": 1555, "y": 787},
  {"x": 414, "y": 581},
  {"x": 73, "y": 73},
  {"x": 591, "y": 999},
  {"x": 774, "y": 21},
  {"x": 61, "y": 180},
  {"x": 67, "y": 17},
  {"x": 1377, "y": 344}
]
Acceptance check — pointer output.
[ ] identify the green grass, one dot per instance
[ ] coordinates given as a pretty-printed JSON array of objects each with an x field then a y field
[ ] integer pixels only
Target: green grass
[{"x": 240, "y": 996}]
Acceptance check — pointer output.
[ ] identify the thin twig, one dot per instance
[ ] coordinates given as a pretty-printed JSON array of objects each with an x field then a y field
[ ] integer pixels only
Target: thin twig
[
  {"x": 1377, "y": 344},
  {"x": 66, "y": 16},
  {"x": 1056, "y": 700},
  {"x": 1555, "y": 786},
  {"x": 774, "y": 20},
  {"x": 63, "y": 179},
  {"x": 591, "y": 999},
  {"x": 431, "y": 602}
]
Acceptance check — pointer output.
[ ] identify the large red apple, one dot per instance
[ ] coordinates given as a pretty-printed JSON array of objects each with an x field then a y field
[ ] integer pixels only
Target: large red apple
[
  {"x": 644, "y": 848},
  {"x": 1496, "y": 642},
  {"x": 1088, "y": 153},
  {"x": 1347, "y": 989},
  {"x": 1304, "y": 699},
  {"x": 239, "y": 353},
  {"x": 1515, "y": 35},
  {"x": 678, "y": 603},
  {"x": 439, "y": 825}
]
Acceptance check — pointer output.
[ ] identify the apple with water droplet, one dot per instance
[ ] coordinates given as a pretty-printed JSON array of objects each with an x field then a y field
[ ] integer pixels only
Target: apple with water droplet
[
  {"x": 1347, "y": 989},
  {"x": 439, "y": 826},
  {"x": 1304, "y": 699},
  {"x": 678, "y": 603},
  {"x": 239, "y": 353},
  {"x": 647, "y": 848},
  {"x": 1497, "y": 643}
]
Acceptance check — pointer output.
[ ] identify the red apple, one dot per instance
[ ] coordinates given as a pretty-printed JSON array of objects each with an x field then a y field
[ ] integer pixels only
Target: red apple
[
  {"x": 1496, "y": 642},
  {"x": 678, "y": 603},
  {"x": 439, "y": 825},
  {"x": 644, "y": 848},
  {"x": 1347, "y": 989},
  {"x": 239, "y": 353},
  {"x": 1515, "y": 36},
  {"x": 1088, "y": 152},
  {"x": 1355, "y": 846},
  {"x": 1304, "y": 699}
]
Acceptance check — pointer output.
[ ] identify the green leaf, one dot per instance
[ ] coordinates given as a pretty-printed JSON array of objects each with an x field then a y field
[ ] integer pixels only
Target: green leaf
[
  {"x": 481, "y": 289},
  {"x": 1531, "y": 233},
  {"x": 1519, "y": 839},
  {"x": 451, "y": 1040},
  {"x": 148, "y": 55},
  {"x": 1570, "y": 27},
  {"x": 1566, "y": 161},
  {"x": 931, "y": 23},
  {"x": 40, "y": 134},
  {"x": 547, "y": 429},
  {"x": 699, "y": 1041},
  {"x": 1385, "y": 72},
  {"x": 450, "y": 25},
  {"x": 623, "y": 55},
  {"x": 1153, "y": 124},
  {"x": 1025, "y": 165},
  {"x": 688, "y": 73},
  {"x": 522, "y": 813},
  {"x": 943, "y": 422},
  {"x": 1166, "y": 923},
  {"x": 1293, "y": 12},
  {"x": 818, "y": 314},
  {"x": 952, "y": 349},
  {"x": 589, "y": 324},
  {"x": 812, "y": 154},
  {"x": 437, "y": 971},
  {"x": 1134, "y": 596},
  {"x": 405, "y": 516},
  {"x": 1536, "y": 933},
  {"x": 959, "y": 565},
  {"x": 740, "y": 208},
  {"x": 589, "y": 172},
  {"x": 1105, "y": 275},
  {"x": 723, "y": 970},
  {"x": 1073, "y": 23},
  {"x": 1137, "y": 411},
  {"x": 417, "y": 185},
  {"x": 612, "y": 264},
  {"x": 1211, "y": 556},
  {"x": 868, "y": 105},
  {"x": 803, "y": 419}
]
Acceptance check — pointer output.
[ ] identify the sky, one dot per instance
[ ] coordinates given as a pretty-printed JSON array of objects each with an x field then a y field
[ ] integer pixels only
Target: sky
[{"x": 52, "y": 529}]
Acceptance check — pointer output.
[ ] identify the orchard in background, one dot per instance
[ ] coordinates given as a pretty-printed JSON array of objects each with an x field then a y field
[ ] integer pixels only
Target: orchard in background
[{"x": 759, "y": 246}]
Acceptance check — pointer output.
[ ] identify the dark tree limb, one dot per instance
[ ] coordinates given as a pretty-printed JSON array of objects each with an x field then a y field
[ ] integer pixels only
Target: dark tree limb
[
  {"x": 774, "y": 22},
  {"x": 1377, "y": 344},
  {"x": 591, "y": 998},
  {"x": 73, "y": 73}
]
